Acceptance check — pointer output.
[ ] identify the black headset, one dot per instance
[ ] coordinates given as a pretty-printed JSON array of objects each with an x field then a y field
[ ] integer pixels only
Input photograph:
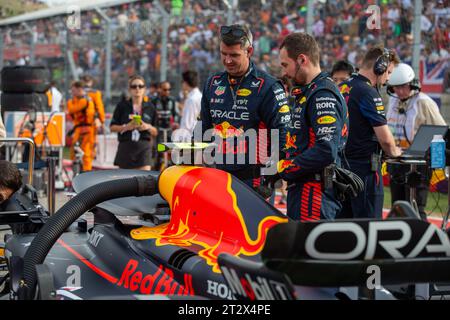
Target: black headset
[
  {"x": 415, "y": 84},
  {"x": 382, "y": 63}
]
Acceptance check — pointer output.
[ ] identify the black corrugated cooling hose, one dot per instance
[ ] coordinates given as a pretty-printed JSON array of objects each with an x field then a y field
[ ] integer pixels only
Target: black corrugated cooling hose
[{"x": 72, "y": 210}]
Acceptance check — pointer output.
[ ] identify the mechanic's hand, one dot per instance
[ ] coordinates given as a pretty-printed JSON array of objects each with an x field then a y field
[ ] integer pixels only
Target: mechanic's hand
[
  {"x": 271, "y": 180},
  {"x": 397, "y": 152}
]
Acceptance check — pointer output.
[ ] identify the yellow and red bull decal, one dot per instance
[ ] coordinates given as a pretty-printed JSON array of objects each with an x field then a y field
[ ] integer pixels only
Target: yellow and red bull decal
[
  {"x": 227, "y": 130},
  {"x": 290, "y": 141},
  {"x": 205, "y": 216},
  {"x": 284, "y": 164},
  {"x": 345, "y": 89}
]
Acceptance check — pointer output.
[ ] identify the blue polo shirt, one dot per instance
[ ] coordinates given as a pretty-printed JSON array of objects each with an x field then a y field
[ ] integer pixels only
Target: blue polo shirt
[{"x": 366, "y": 111}]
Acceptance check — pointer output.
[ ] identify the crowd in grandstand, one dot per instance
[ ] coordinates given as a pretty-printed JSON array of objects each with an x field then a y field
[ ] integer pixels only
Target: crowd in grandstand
[{"x": 339, "y": 26}]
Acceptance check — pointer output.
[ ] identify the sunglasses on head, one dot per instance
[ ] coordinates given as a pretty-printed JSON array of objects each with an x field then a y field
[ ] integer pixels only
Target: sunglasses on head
[
  {"x": 235, "y": 31},
  {"x": 135, "y": 86}
]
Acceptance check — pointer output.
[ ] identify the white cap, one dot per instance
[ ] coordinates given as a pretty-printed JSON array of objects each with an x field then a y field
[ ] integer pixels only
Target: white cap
[{"x": 438, "y": 137}]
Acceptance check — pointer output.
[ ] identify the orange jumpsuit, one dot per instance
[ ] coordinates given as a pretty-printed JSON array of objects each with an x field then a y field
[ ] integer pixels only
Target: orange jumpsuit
[
  {"x": 96, "y": 96},
  {"x": 82, "y": 111}
]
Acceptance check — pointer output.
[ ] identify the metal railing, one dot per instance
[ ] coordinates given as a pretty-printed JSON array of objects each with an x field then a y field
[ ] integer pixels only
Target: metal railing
[
  {"x": 30, "y": 154},
  {"x": 51, "y": 163}
]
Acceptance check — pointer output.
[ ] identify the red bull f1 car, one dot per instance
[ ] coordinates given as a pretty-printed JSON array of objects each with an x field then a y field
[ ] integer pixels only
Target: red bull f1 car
[{"x": 199, "y": 232}]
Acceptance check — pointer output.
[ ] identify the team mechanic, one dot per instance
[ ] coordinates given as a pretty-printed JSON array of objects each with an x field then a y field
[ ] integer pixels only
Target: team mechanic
[
  {"x": 369, "y": 133},
  {"x": 317, "y": 134},
  {"x": 242, "y": 98}
]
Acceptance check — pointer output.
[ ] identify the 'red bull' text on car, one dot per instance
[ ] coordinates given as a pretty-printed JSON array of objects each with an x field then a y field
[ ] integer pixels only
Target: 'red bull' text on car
[{"x": 202, "y": 233}]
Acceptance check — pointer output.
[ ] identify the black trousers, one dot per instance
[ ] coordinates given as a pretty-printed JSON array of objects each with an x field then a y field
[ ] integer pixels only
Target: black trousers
[{"x": 369, "y": 203}]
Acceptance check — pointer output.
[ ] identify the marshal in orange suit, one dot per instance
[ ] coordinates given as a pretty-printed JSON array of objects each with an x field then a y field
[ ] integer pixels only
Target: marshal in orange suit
[
  {"x": 82, "y": 110},
  {"x": 96, "y": 96}
]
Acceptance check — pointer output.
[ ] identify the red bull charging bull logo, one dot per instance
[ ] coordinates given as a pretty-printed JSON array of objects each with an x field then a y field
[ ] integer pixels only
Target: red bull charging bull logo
[
  {"x": 227, "y": 130},
  {"x": 205, "y": 216},
  {"x": 290, "y": 141},
  {"x": 285, "y": 164},
  {"x": 345, "y": 89}
]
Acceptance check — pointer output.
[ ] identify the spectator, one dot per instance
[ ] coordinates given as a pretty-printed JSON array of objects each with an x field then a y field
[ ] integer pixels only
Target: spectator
[{"x": 270, "y": 24}]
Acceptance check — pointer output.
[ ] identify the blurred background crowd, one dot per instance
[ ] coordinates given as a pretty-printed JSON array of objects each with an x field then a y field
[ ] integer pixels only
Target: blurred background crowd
[{"x": 339, "y": 26}]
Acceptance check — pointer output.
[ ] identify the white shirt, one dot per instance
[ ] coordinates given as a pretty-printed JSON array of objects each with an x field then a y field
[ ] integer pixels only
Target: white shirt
[
  {"x": 393, "y": 14},
  {"x": 419, "y": 109},
  {"x": 352, "y": 57},
  {"x": 2, "y": 128},
  {"x": 191, "y": 111},
  {"x": 406, "y": 4},
  {"x": 425, "y": 24},
  {"x": 318, "y": 28},
  {"x": 56, "y": 99}
]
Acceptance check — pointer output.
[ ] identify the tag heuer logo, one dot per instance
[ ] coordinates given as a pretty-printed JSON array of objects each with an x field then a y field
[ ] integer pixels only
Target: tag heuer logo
[{"x": 220, "y": 90}]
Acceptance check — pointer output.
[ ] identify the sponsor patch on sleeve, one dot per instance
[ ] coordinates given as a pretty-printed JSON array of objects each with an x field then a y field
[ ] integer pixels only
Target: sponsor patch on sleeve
[
  {"x": 284, "y": 109},
  {"x": 326, "y": 120}
]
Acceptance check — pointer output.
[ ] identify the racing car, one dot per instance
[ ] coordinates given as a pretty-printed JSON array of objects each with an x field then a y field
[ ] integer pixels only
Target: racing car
[{"x": 200, "y": 233}]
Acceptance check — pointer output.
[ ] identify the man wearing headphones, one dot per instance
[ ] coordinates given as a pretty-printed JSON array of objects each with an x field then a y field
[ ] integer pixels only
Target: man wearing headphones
[
  {"x": 369, "y": 133},
  {"x": 408, "y": 110}
]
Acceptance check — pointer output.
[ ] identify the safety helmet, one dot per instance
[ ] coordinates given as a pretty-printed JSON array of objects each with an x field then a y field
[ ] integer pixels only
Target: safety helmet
[{"x": 403, "y": 74}]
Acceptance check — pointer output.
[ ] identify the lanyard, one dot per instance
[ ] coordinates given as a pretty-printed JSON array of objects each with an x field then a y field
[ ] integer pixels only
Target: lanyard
[
  {"x": 137, "y": 112},
  {"x": 233, "y": 92}
]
